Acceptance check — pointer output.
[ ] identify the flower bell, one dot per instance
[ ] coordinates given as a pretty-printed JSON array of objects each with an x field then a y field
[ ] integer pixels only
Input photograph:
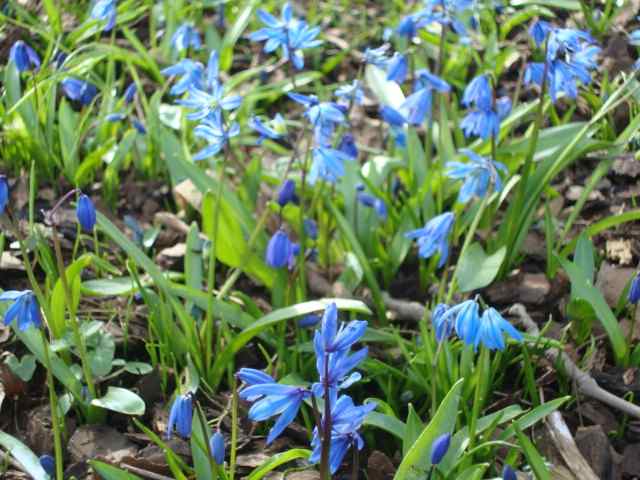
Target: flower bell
[
  {"x": 24, "y": 57},
  {"x": 24, "y": 309},
  {"x": 180, "y": 416},
  {"x": 86, "y": 213},
  {"x": 634, "y": 291},
  {"x": 287, "y": 193},
  {"x": 216, "y": 444},
  {"x": 439, "y": 448},
  {"x": 278, "y": 250},
  {"x": 4, "y": 194}
]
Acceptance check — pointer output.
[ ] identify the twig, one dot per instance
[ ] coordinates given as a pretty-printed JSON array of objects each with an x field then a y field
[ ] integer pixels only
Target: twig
[
  {"x": 567, "y": 447},
  {"x": 585, "y": 383}
]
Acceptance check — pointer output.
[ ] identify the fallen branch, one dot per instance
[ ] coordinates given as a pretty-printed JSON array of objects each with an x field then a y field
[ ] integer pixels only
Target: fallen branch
[
  {"x": 584, "y": 382},
  {"x": 567, "y": 447}
]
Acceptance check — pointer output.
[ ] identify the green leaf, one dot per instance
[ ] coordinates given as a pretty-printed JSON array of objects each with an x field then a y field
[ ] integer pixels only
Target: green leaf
[
  {"x": 418, "y": 458},
  {"x": 477, "y": 269},
  {"x": 24, "y": 456},
  {"x": 23, "y": 368},
  {"x": 121, "y": 400},
  {"x": 199, "y": 448},
  {"x": 277, "y": 460},
  {"x": 534, "y": 416},
  {"x": 584, "y": 288},
  {"x": 387, "y": 423},
  {"x": 109, "y": 472},
  {"x": 138, "y": 368},
  {"x": 273, "y": 318},
  {"x": 533, "y": 457},
  {"x": 413, "y": 430},
  {"x": 583, "y": 257},
  {"x": 59, "y": 298},
  {"x": 233, "y": 34}
]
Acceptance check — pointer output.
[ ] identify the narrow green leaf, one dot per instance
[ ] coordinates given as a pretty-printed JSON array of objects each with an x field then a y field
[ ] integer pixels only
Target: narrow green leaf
[
  {"x": 533, "y": 457},
  {"x": 120, "y": 400},
  {"x": 24, "y": 456},
  {"x": 109, "y": 472},
  {"x": 277, "y": 460}
]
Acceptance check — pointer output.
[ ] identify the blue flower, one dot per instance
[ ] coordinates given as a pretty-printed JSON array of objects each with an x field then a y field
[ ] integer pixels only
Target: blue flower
[
  {"x": 140, "y": 128},
  {"x": 287, "y": 193},
  {"x": 105, "y": 11},
  {"x": 278, "y": 250},
  {"x": 539, "y": 31},
  {"x": 392, "y": 116},
  {"x": 377, "y": 56},
  {"x": 287, "y": 33},
  {"x": 86, "y": 213},
  {"x": 215, "y": 133},
  {"x": 418, "y": 105},
  {"x": 477, "y": 175},
  {"x": 491, "y": 328},
  {"x": 467, "y": 320},
  {"x": 311, "y": 228},
  {"x": 24, "y": 57},
  {"x": 634, "y": 290},
  {"x": 271, "y": 399},
  {"x": 376, "y": 203},
  {"x": 397, "y": 68},
  {"x": 24, "y": 309},
  {"x": 442, "y": 324},
  {"x": 130, "y": 93},
  {"x": 323, "y": 116},
  {"x": 351, "y": 93},
  {"x": 434, "y": 237},
  {"x": 267, "y": 131},
  {"x": 294, "y": 251},
  {"x": 508, "y": 473},
  {"x": 79, "y": 90},
  {"x": 408, "y": 26},
  {"x": 478, "y": 92},
  {"x": 4, "y": 193},
  {"x": 308, "y": 321},
  {"x": 216, "y": 445},
  {"x": 439, "y": 448},
  {"x": 426, "y": 79},
  {"x": 571, "y": 56},
  {"x": 328, "y": 165},
  {"x": 48, "y": 464},
  {"x": 181, "y": 416},
  {"x": 190, "y": 73},
  {"x": 207, "y": 104},
  {"x": 334, "y": 338},
  {"x": 251, "y": 376},
  {"x": 447, "y": 13},
  {"x": 186, "y": 36},
  {"x": 348, "y": 146},
  {"x": 346, "y": 420}
]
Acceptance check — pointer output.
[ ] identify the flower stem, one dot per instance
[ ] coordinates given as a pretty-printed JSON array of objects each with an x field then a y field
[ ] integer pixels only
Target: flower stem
[
  {"x": 53, "y": 405},
  {"x": 325, "y": 471},
  {"x": 478, "y": 398}
]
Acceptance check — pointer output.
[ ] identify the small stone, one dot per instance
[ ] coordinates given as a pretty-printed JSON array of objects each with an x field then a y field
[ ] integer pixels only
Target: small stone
[
  {"x": 379, "y": 466},
  {"x": 594, "y": 445},
  {"x": 91, "y": 441},
  {"x": 631, "y": 460},
  {"x": 612, "y": 280},
  {"x": 619, "y": 250}
]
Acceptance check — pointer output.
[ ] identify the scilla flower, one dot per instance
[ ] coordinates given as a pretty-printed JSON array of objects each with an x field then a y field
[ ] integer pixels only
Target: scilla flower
[
  {"x": 186, "y": 36},
  {"x": 434, "y": 237},
  {"x": 397, "y": 68},
  {"x": 216, "y": 444},
  {"x": 278, "y": 250},
  {"x": 485, "y": 122},
  {"x": 634, "y": 290},
  {"x": 491, "y": 328},
  {"x": 346, "y": 420},
  {"x": 328, "y": 165},
  {"x": 4, "y": 194},
  {"x": 105, "y": 11},
  {"x": 272, "y": 399},
  {"x": 213, "y": 130},
  {"x": 48, "y": 463},
  {"x": 287, "y": 193},
  {"x": 24, "y": 309},
  {"x": 190, "y": 74},
  {"x": 288, "y": 34},
  {"x": 274, "y": 129},
  {"x": 477, "y": 175},
  {"x": 79, "y": 90},
  {"x": 24, "y": 57},
  {"x": 181, "y": 416},
  {"x": 508, "y": 473},
  {"x": 442, "y": 324},
  {"x": 86, "y": 213},
  {"x": 351, "y": 93},
  {"x": 439, "y": 448}
]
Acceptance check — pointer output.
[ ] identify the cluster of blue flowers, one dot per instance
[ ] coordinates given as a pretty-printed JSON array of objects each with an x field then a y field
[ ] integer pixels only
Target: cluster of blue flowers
[
  {"x": 335, "y": 363},
  {"x": 474, "y": 329},
  {"x": 484, "y": 119},
  {"x": 570, "y": 57},
  {"x": 478, "y": 175}
]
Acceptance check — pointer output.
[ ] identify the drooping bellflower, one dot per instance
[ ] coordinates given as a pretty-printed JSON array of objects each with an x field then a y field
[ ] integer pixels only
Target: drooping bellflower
[
  {"x": 442, "y": 324},
  {"x": 346, "y": 421},
  {"x": 217, "y": 135},
  {"x": 484, "y": 119},
  {"x": 86, "y": 213},
  {"x": 180, "y": 416},
  {"x": 289, "y": 34},
  {"x": 508, "y": 473},
  {"x": 79, "y": 90},
  {"x": 328, "y": 165},
  {"x": 190, "y": 74},
  {"x": 323, "y": 116},
  {"x": 418, "y": 105},
  {"x": 24, "y": 309},
  {"x": 377, "y": 56},
  {"x": 24, "y": 57},
  {"x": 477, "y": 175},
  {"x": 571, "y": 56},
  {"x": 186, "y": 36},
  {"x": 447, "y": 13},
  {"x": 4, "y": 194},
  {"x": 272, "y": 399},
  {"x": 287, "y": 193},
  {"x": 216, "y": 445},
  {"x": 377, "y": 204},
  {"x": 434, "y": 237},
  {"x": 48, "y": 463},
  {"x": 397, "y": 68},
  {"x": 491, "y": 328},
  {"x": 278, "y": 250},
  {"x": 440, "y": 447},
  {"x": 634, "y": 290},
  {"x": 130, "y": 93},
  {"x": 351, "y": 94},
  {"x": 105, "y": 11},
  {"x": 274, "y": 129},
  {"x": 348, "y": 146}
]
